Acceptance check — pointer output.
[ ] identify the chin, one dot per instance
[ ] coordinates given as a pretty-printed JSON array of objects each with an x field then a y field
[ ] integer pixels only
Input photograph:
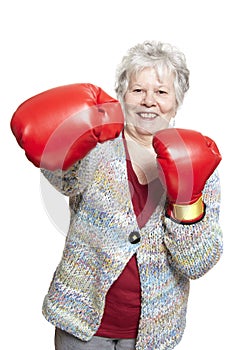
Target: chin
[{"x": 152, "y": 129}]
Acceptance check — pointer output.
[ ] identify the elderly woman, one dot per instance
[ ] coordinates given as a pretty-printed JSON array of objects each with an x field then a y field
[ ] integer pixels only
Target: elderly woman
[{"x": 144, "y": 200}]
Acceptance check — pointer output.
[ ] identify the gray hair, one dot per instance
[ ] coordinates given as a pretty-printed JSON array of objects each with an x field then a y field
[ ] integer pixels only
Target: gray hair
[{"x": 161, "y": 56}]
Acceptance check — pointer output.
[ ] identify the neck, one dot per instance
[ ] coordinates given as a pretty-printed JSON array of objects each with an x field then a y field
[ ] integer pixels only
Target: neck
[
  {"x": 142, "y": 156},
  {"x": 143, "y": 140}
]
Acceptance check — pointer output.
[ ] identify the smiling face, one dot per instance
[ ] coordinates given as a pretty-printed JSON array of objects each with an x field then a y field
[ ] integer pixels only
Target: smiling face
[{"x": 150, "y": 103}]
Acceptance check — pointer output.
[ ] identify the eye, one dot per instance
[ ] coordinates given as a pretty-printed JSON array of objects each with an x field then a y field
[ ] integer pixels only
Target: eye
[
  {"x": 161, "y": 92},
  {"x": 137, "y": 90}
]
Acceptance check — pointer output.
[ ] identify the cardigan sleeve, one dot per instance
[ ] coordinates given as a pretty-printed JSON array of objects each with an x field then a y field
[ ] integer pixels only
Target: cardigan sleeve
[
  {"x": 66, "y": 182},
  {"x": 194, "y": 249},
  {"x": 74, "y": 180}
]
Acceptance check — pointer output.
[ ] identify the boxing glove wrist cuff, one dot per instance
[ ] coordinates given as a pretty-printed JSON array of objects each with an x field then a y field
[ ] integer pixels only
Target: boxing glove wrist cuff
[{"x": 188, "y": 213}]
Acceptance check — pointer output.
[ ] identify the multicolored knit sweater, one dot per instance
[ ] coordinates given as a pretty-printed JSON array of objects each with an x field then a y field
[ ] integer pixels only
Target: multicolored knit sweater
[{"x": 98, "y": 247}]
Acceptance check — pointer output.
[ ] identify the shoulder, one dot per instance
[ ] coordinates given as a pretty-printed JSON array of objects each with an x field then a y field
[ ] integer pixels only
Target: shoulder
[{"x": 108, "y": 149}]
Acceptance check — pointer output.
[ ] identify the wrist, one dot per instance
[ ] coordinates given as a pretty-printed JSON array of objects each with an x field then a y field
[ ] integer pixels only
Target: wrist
[{"x": 187, "y": 213}]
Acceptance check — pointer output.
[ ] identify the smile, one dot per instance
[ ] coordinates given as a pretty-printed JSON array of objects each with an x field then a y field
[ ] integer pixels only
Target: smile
[{"x": 148, "y": 115}]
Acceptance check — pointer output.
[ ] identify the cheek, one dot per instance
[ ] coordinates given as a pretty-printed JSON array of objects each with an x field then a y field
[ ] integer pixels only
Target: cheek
[
  {"x": 130, "y": 105},
  {"x": 128, "y": 112},
  {"x": 127, "y": 97},
  {"x": 168, "y": 107},
  {"x": 130, "y": 100}
]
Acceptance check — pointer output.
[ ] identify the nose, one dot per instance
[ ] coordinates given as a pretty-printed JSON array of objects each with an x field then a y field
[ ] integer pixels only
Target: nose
[{"x": 149, "y": 99}]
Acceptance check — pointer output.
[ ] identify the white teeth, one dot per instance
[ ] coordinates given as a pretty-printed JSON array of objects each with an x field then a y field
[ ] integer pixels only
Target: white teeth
[{"x": 148, "y": 115}]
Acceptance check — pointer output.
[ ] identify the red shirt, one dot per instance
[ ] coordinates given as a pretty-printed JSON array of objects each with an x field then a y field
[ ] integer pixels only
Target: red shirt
[{"x": 123, "y": 300}]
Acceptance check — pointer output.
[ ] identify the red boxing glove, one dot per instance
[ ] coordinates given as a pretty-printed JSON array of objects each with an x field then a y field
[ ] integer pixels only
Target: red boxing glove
[
  {"x": 58, "y": 127},
  {"x": 186, "y": 159}
]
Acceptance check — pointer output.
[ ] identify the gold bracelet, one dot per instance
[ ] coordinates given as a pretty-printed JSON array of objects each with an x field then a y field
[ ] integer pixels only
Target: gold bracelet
[{"x": 188, "y": 212}]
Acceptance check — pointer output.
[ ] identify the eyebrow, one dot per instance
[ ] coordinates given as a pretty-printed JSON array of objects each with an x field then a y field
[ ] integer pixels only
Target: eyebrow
[{"x": 160, "y": 85}]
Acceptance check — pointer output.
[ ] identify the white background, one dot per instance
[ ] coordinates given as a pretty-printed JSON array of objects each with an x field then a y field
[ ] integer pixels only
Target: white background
[{"x": 48, "y": 43}]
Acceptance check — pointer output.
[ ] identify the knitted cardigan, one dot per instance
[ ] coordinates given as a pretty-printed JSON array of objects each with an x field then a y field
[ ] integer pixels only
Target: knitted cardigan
[{"x": 98, "y": 248}]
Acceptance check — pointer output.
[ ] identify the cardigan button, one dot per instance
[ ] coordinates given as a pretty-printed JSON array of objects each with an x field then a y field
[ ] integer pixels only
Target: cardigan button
[{"x": 134, "y": 237}]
